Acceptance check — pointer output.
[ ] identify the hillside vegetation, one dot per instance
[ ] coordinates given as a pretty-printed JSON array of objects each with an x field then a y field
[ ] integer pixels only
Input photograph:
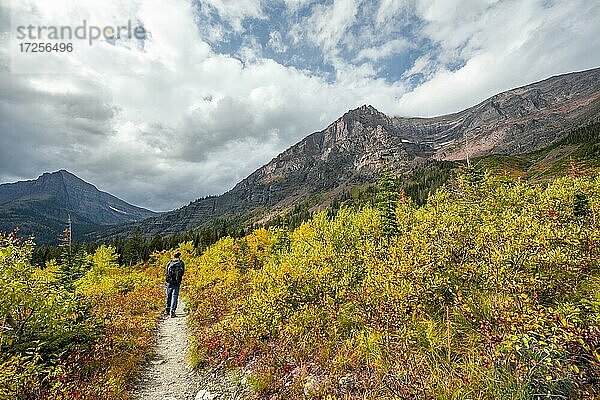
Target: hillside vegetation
[
  {"x": 79, "y": 328},
  {"x": 491, "y": 290},
  {"x": 580, "y": 146}
]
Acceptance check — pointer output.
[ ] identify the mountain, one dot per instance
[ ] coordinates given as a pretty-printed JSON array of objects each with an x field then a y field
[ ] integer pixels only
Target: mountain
[
  {"x": 364, "y": 142},
  {"x": 513, "y": 122},
  {"x": 41, "y": 207}
]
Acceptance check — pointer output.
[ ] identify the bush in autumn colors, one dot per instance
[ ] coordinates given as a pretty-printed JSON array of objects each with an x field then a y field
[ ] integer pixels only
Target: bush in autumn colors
[
  {"x": 73, "y": 339},
  {"x": 491, "y": 290}
]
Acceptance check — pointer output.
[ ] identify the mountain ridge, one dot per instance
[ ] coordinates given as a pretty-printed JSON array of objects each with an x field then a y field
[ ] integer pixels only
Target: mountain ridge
[
  {"x": 41, "y": 206},
  {"x": 364, "y": 142},
  {"x": 532, "y": 104}
]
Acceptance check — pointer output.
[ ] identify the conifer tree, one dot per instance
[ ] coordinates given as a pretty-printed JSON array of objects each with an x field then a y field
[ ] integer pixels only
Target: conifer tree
[
  {"x": 133, "y": 251},
  {"x": 73, "y": 259},
  {"x": 387, "y": 200}
]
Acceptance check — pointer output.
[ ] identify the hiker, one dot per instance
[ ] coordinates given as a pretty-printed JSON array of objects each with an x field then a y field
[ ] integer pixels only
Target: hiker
[{"x": 173, "y": 275}]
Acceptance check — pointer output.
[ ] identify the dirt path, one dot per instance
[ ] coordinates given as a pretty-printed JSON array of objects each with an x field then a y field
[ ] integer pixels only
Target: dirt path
[{"x": 169, "y": 376}]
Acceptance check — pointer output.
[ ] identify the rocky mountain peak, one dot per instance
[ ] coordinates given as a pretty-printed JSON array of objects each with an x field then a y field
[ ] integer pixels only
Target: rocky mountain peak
[
  {"x": 354, "y": 125},
  {"x": 363, "y": 110},
  {"x": 62, "y": 176},
  {"x": 42, "y": 206},
  {"x": 366, "y": 115}
]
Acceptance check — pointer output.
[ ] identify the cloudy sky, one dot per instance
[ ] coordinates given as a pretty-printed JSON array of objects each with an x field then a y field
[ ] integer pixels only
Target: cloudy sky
[{"x": 220, "y": 87}]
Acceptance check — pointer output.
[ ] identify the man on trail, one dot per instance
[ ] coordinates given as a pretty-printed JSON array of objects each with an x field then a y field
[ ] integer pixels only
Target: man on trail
[{"x": 173, "y": 275}]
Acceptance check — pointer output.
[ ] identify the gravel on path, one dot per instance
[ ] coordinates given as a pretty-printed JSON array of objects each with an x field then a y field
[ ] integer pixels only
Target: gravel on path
[{"x": 169, "y": 376}]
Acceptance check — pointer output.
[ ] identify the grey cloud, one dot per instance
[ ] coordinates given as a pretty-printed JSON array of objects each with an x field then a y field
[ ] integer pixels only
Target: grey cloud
[{"x": 41, "y": 130}]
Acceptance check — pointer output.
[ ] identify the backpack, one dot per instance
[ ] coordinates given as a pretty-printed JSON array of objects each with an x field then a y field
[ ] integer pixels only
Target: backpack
[{"x": 174, "y": 271}]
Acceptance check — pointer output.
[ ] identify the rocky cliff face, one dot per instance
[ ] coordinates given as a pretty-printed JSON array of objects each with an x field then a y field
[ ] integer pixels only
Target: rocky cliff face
[
  {"x": 512, "y": 122},
  {"x": 358, "y": 145},
  {"x": 42, "y": 206},
  {"x": 364, "y": 142},
  {"x": 355, "y": 148}
]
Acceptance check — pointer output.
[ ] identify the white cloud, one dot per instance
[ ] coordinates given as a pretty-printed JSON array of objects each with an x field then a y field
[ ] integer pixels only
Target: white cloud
[
  {"x": 276, "y": 42},
  {"x": 294, "y": 5},
  {"x": 327, "y": 25},
  {"x": 385, "y": 50},
  {"x": 388, "y": 10},
  {"x": 422, "y": 66},
  {"x": 501, "y": 45},
  {"x": 235, "y": 11}
]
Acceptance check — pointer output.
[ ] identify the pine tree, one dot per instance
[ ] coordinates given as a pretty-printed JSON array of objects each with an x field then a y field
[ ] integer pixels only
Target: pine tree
[
  {"x": 134, "y": 249},
  {"x": 581, "y": 206},
  {"x": 387, "y": 200},
  {"x": 73, "y": 263}
]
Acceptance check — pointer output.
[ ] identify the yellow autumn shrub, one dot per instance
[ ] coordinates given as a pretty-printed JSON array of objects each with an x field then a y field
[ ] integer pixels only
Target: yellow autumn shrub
[{"x": 488, "y": 291}]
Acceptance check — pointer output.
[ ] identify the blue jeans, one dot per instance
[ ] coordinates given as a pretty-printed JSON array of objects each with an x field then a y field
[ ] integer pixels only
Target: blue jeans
[{"x": 172, "y": 295}]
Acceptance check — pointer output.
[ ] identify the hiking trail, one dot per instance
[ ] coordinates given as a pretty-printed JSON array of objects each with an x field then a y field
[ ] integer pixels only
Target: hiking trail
[{"x": 169, "y": 376}]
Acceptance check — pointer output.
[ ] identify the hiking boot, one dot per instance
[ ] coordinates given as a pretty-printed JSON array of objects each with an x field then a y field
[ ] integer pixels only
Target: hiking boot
[{"x": 172, "y": 314}]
